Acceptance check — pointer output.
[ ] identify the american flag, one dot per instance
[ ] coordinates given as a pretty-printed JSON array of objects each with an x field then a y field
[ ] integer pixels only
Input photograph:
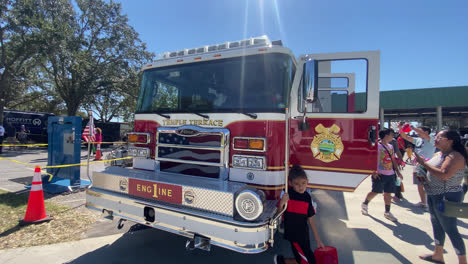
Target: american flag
[
  {"x": 179, "y": 155},
  {"x": 87, "y": 129}
]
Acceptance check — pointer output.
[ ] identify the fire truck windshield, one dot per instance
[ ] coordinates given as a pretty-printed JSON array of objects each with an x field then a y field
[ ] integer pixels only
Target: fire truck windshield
[{"x": 256, "y": 83}]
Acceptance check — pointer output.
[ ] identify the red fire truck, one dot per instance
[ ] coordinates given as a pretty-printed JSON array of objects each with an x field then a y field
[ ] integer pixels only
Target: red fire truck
[{"x": 217, "y": 128}]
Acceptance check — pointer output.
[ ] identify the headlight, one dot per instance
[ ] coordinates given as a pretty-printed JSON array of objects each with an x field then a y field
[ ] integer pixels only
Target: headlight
[
  {"x": 142, "y": 152},
  {"x": 252, "y": 162},
  {"x": 256, "y": 163},
  {"x": 238, "y": 161},
  {"x": 249, "y": 204},
  {"x": 138, "y": 152},
  {"x": 132, "y": 152}
]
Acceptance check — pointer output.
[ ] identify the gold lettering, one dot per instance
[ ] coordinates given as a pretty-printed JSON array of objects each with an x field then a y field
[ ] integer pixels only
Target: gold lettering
[
  {"x": 163, "y": 192},
  {"x": 146, "y": 188},
  {"x": 139, "y": 187},
  {"x": 204, "y": 122},
  {"x": 169, "y": 193},
  {"x": 155, "y": 194}
]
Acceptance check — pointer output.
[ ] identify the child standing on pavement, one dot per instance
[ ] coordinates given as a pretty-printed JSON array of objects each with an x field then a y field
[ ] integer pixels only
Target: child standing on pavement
[
  {"x": 298, "y": 215},
  {"x": 383, "y": 180}
]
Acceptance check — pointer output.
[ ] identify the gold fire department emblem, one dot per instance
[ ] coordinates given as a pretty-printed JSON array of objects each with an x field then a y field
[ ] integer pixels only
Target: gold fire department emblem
[{"x": 327, "y": 145}]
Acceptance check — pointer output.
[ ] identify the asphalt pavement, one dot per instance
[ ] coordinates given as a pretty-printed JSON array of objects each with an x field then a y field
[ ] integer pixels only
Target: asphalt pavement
[{"x": 358, "y": 238}]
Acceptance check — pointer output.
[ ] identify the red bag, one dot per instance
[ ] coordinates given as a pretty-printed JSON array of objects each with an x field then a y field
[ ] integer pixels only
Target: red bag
[
  {"x": 326, "y": 255},
  {"x": 406, "y": 128}
]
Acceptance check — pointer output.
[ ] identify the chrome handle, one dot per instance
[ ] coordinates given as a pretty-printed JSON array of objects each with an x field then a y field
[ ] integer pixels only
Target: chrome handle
[{"x": 372, "y": 135}]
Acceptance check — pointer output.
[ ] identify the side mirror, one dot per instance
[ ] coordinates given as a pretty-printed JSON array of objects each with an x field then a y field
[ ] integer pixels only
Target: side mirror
[
  {"x": 310, "y": 81},
  {"x": 309, "y": 88}
]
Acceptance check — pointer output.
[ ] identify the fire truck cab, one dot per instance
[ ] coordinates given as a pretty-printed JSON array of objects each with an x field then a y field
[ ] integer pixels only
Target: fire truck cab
[{"x": 218, "y": 127}]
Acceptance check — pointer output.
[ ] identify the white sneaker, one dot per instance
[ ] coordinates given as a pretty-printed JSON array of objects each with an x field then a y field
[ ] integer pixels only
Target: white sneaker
[
  {"x": 390, "y": 217},
  {"x": 364, "y": 209}
]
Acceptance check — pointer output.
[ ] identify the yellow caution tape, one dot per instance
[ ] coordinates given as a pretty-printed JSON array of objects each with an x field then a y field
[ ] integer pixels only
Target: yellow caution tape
[
  {"x": 62, "y": 166},
  {"x": 30, "y": 165},
  {"x": 22, "y": 145},
  {"x": 84, "y": 163},
  {"x": 117, "y": 142},
  {"x": 27, "y": 164},
  {"x": 45, "y": 144}
]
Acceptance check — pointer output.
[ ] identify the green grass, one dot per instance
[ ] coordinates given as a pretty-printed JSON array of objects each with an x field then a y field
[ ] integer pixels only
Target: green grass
[{"x": 67, "y": 224}]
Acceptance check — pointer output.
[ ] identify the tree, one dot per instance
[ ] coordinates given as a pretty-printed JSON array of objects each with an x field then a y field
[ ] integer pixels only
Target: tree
[
  {"x": 117, "y": 99},
  {"x": 92, "y": 53},
  {"x": 20, "y": 40}
]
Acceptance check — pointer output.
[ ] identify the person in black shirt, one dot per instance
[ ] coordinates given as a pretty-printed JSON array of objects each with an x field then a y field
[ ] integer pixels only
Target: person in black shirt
[{"x": 299, "y": 213}]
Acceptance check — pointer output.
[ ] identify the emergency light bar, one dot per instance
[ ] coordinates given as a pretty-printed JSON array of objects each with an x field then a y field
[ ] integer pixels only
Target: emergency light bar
[{"x": 262, "y": 41}]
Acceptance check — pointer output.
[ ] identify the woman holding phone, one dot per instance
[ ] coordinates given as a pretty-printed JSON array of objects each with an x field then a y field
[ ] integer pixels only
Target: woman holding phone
[{"x": 445, "y": 173}]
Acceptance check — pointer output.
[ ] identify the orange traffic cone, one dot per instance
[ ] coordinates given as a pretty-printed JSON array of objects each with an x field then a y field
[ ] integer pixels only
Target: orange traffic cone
[
  {"x": 35, "y": 212},
  {"x": 98, "y": 152}
]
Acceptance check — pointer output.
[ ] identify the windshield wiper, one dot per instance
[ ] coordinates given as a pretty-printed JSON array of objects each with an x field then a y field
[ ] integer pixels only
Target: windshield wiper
[
  {"x": 202, "y": 115},
  {"x": 252, "y": 115},
  {"x": 163, "y": 115}
]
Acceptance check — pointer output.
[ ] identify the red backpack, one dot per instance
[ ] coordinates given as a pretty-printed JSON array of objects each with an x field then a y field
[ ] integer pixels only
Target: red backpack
[{"x": 326, "y": 255}]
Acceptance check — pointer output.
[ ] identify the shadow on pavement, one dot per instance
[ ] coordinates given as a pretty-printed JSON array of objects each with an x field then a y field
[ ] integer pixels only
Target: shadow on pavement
[
  {"x": 156, "y": 246},
  {"x": 407, "y": 233},
  {"x": 412, "y": 207},
  {"x": 22, "y": 180},
  {"x": 350, "y": 241},
  {"x": 39, "y": 160},
  {"x": 355, "y": 245},
  {"x": 18, "y": 152}
]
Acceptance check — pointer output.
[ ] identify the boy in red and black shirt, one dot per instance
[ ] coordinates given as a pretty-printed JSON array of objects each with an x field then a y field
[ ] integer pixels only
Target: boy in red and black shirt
[{"x": 299, "y": 213}]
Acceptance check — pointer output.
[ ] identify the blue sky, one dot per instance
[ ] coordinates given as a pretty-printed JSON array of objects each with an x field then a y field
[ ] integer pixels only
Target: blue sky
[{"x": 423, "y": 43}]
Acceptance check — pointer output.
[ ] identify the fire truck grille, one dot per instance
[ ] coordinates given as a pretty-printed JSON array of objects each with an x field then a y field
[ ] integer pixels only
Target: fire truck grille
[
  {"x": 193, "y": 151},
  {"x": 190, "y": 169}
]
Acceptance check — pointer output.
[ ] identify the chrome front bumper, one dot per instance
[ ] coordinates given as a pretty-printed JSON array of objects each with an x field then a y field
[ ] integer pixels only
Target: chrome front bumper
[
  {"x": 209, "y": 212},
  {"x": 223, "y": 231}
]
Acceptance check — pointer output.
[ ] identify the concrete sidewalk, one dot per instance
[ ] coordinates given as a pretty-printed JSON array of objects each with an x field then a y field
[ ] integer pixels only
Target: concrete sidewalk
[{"x": 55, "y": 253}]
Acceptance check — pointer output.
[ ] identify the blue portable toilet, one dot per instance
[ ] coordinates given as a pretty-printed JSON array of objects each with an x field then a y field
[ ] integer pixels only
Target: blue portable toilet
[{"x": 64, "y": 147}]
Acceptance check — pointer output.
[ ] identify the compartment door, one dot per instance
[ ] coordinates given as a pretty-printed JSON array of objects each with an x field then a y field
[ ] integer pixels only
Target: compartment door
[{"x": 334, "y": 137}]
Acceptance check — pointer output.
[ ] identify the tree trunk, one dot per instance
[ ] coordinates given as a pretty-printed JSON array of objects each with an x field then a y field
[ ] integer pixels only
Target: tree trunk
[
  {"x": 72, "y": 107},
  {"x": 2, "y": 98}
]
